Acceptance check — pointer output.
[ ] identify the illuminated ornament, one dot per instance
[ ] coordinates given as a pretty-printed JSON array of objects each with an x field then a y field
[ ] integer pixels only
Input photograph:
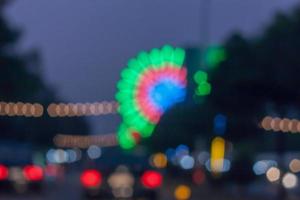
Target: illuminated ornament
[{"x": 151, "y": 84}]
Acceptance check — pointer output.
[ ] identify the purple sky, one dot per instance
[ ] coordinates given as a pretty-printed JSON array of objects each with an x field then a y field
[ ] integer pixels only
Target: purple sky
[{"x": 86, "y": 43}]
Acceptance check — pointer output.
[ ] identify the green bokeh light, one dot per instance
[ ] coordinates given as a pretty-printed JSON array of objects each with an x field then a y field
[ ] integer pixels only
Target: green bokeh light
[
  {"x": 200, "y": 77},
  {"x": 214, "y": 56},
  {"x": 125, "y": 137},
  {"x": 203, "y": 89},
  {"x": 133, "y": 118},
  {"x": 179, "y": 55}
]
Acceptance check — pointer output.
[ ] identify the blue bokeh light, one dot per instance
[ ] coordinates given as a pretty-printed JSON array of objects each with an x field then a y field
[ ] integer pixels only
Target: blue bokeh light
[
  {"x": 171, "y": 153},
  {"x": 167, "y": 92},
  {"x": 220, "y": 124},
  {"x": 182, "y": 150}
]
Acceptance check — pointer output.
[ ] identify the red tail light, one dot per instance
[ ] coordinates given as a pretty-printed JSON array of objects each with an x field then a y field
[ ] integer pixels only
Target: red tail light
[
  {"x": 151, "y": 179},
  {"x": 91, "y": 178},
  {"x": 33, "y": 173},
  {"x": 3, "y": 172}
]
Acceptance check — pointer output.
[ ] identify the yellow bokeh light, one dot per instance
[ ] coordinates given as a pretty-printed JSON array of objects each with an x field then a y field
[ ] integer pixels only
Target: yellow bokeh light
[
  {"x": 183, "y": 192},
  {"x": 217, "y": 154},
  {"x": 159, "y": 160}
]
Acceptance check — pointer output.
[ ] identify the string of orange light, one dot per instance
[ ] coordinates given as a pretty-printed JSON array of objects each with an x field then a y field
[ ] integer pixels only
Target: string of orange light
[
  {"x": 21, "y": 109},
  {"x": 82, "y": 109},
  {"x": 278, "y": 124},
  {"x": 80, "y": 141}
]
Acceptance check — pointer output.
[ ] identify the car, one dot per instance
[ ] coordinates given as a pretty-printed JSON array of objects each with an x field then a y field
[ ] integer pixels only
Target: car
[
  {"x": 18, "y": 174},
  {"x": 122, "y": 178}
]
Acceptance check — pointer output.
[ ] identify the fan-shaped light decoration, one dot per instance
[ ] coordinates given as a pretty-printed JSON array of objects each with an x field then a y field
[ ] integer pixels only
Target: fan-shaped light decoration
[{"x": 152, "y": 83}]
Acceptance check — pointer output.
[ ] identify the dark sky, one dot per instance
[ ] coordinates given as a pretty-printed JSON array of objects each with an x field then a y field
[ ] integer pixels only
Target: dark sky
[{"x": 85, "y": 43}]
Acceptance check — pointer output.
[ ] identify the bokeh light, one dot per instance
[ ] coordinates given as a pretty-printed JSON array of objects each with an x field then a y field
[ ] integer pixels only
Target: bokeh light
[
  {"x": 21, "y": 109},
  {"x": 277, "y": 124},
  {"x": 82, "y": 109},
  {"x": 220, "y": 123},
  {"x": 187, "y": 162},
  {"x": 94, "y": 152},
  {"x": 203, "y": 89},
  {"x": 262, "y": 166},
  {"x": 182, "y": 150},
  {"x": 200, "y": 76},
  {"x": 214, "y": 55},
  {"x": 203, "y": 157},
  {"x": 199, "y": 177},
  {"x": 273, "y": 174},
  {"x": 152, "y": 83},
  {"x": 182, "y": 192},
  {"x": 59, "y": 156},
  {"x": 33, "y": 173},
  {"x": 151, "y": 179},
  {"x": 159, "y": 160},
  {"x": 171, "y": 155},
  {"x": 85, "y": 141},
  {"x": 126, "y": 137},
  {"x": 289, "y": 180},
  {"x": 217, "y": 154},
  {"x": 295, "y": 165},
  {"x": 91, "y": 178},
  {"x": 121, "y": 178},
  {"x": 72, "y": 155},
  {"x": 226, "y": 166},
  {"x": 3, "y": 172}
]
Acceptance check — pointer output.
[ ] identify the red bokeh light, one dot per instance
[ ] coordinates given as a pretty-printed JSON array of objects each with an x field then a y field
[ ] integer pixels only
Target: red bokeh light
[
  {"x": 151, "y": 179},
  {"x": 147, "y": 80},
  {"x": 137, "y": 137},
  {"x": 91, "y": 178},
  {"x": 3, "y": 172},
  {"x": 33, "y": 173},
  {"x": 199, "y": 177}
]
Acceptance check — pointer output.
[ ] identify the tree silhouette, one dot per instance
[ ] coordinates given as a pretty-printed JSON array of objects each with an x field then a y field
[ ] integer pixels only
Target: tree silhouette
[
  {"x": 258, "y": 78},
  {"x": 21, "y": 80}
]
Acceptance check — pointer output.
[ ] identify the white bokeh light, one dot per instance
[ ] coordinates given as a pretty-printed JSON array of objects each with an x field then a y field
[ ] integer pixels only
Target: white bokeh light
[
  {"x": 289, "y": 180},
  {"x": 94, "y": 152}
]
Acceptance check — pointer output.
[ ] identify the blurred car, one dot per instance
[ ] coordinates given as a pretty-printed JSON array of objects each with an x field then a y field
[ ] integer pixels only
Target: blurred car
[
  {"x": 17, "y": 173},
  {"x": 125, "y": 180}
]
